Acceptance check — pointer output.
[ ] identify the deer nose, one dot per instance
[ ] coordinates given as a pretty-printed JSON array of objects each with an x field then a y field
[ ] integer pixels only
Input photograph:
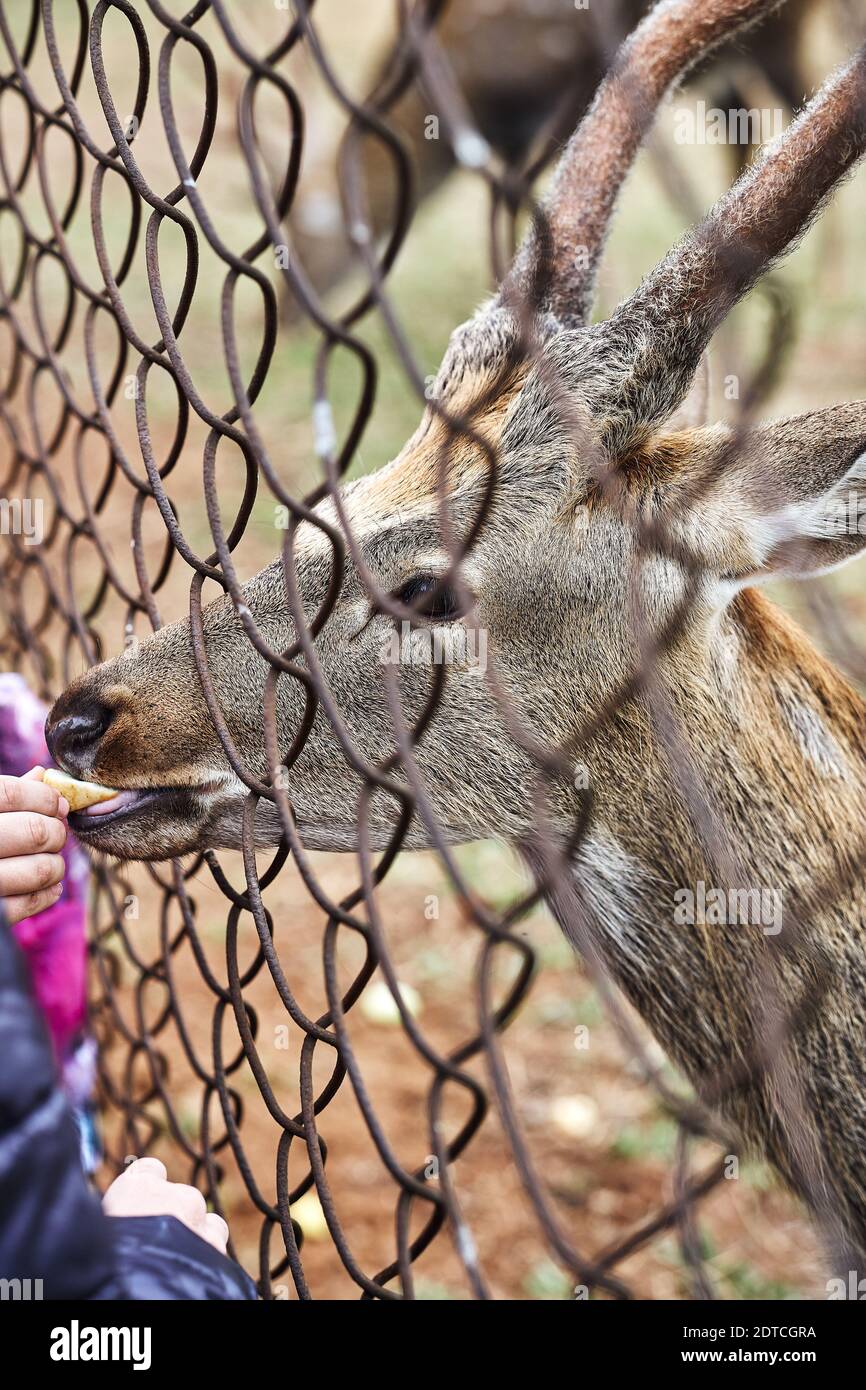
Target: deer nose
[{"x": 72, "y": 740}]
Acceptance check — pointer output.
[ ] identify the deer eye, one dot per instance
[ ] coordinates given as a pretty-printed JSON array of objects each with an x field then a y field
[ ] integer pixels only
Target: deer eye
[{"x": 426, "y": 593}]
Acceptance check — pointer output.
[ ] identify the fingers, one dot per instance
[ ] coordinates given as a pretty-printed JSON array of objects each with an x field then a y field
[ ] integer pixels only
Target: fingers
[
  {"x": 27, "y": 832},
  {"x": 30, "y": 832},
  {"x": 215, "y": 1231},
  {"x": 148, "y": 1164},
  {"x": 187, "y": 1204},
  {"x": 30, "y": 873},
  {"x": 29, "y": 793},
  {"x": 143, "y": 1190},
  {"x": 139, "y": 1191},
  {"x": 28, "y": 904}
]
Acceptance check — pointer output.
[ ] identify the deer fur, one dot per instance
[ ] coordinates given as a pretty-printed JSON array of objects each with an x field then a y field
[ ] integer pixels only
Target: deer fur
[{"x": 617, "y": 555}]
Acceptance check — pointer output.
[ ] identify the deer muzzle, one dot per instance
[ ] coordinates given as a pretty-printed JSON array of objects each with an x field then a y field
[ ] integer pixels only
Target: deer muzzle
[{"x": 145, "y": 740}]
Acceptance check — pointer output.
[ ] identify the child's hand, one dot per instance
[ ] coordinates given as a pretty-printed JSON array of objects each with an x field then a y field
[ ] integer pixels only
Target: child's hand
[
  {"x": 32, "y": 833},
  {"x": 143, "y": 1189}
]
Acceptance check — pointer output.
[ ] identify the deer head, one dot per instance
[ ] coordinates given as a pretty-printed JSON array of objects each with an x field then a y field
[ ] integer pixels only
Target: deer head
[{"x": 513, "y": 527}]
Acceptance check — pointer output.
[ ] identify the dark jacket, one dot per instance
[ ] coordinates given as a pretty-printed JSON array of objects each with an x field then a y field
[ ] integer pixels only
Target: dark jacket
[{"x": 52, "y": 1226}]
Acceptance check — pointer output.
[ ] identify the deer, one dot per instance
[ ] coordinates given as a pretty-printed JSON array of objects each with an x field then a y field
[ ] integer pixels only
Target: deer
[{"x": 613, "y": 556}]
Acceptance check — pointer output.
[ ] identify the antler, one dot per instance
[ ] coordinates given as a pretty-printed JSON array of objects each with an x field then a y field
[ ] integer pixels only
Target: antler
[
  {"x": 562, "y": 252},
  {"x": 658, "y": 334}
]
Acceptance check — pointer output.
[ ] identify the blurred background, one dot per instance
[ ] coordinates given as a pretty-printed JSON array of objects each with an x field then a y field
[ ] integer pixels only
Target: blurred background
[{"x": 598, "y": 1139}]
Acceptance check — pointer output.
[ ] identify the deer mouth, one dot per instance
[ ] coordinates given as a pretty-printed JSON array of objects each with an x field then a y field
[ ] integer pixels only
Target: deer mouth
[{"x": 150, "y": 804}]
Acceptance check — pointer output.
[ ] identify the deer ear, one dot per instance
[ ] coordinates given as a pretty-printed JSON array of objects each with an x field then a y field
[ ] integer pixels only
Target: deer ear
[{"x": 786, "y": 499}]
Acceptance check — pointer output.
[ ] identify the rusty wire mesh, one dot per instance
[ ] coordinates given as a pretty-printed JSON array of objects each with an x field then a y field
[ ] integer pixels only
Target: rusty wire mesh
[{"x": 69, "y": 155}]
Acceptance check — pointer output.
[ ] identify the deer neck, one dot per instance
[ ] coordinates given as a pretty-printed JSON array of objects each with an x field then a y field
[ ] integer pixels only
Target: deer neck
[
  {"x": 778, "y": 739},
  {"x": 749, "y": 755},
  {"x": 774, "y": 738}
]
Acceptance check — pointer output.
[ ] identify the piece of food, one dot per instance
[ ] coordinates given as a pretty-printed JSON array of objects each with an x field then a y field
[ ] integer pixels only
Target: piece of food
[{"x": 78, "y": 794}]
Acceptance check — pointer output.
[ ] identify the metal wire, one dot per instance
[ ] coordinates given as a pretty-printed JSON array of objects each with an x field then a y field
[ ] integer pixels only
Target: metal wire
[{"x": 53, "y": 434}]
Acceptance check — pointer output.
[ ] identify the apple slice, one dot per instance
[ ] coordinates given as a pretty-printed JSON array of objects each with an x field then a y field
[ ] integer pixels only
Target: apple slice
[{"x": 79, "y": 794}]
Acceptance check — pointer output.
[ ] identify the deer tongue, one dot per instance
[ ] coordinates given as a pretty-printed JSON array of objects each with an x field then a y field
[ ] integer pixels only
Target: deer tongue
[{"x": 103, "y": 808}]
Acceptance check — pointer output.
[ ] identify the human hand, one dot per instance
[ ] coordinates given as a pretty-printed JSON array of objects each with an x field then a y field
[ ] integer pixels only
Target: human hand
[
  {"x": 32, "y": 833},
  {"x": 143, "y": 1189}
]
